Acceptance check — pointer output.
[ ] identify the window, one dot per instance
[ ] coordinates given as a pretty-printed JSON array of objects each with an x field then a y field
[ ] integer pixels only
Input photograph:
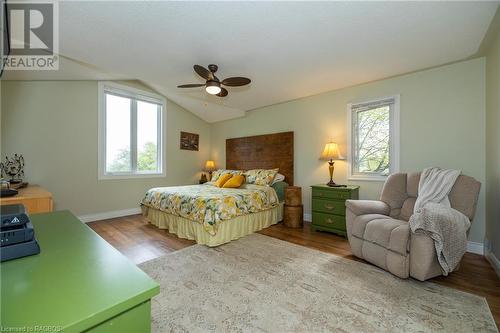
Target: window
[
  {"x": 130, "y": 132},
  {"x": 374, "y": 139}
]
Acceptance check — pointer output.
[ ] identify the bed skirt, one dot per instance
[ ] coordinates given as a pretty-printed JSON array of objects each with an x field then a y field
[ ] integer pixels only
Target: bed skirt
[{"x": 227, "y": 231}]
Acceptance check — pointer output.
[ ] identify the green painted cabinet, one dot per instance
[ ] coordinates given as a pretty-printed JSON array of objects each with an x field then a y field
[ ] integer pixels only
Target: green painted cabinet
[
  {"x": 328, "y": 207},
  {"x": 78, "y": 283}
]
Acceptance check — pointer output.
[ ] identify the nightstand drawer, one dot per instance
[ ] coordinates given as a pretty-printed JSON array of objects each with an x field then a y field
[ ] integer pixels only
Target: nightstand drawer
[
  {"x": 328, "y": 206},
  {"x": 326, "y": 193},
  {"x": 328, "y": 221}
]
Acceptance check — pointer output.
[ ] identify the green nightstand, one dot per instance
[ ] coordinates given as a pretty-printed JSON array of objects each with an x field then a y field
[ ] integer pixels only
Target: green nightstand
[{"x": 328, "y": 207}]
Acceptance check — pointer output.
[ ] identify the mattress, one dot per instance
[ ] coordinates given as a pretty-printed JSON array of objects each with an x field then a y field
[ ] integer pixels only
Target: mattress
[{"x": 209, "y": 205}]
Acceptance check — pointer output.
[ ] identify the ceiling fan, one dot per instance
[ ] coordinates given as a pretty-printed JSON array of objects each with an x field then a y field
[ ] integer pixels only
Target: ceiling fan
[{"x": 213, "y": 85}]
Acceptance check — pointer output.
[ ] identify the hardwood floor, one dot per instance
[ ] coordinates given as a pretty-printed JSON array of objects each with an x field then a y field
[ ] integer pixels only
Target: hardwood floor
[
  {"x": 137, "y": 239},
  {"x": 140, "y": 242}
]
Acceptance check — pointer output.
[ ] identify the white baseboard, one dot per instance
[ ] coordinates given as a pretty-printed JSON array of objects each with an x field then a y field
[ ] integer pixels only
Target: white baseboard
[
  {"x": 495, "y": 263},
  {"x": 109, "y": 215},
  {"x": 472, "y": 247},
  {"x": 475, "y": 247}
]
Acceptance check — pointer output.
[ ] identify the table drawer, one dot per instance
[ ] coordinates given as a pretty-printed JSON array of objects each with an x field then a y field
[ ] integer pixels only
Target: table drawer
[
  {"x": 329, "y": 206},
  {"x": 323, "y": 193},
  {"x": 328, "y": 220}
]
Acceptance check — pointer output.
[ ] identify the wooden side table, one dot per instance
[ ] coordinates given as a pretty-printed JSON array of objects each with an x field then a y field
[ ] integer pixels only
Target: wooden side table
[
  {"x": 35, "y": 199},
  {"x": 294, "y": 210},
  {"x": 328, "y": 207}
]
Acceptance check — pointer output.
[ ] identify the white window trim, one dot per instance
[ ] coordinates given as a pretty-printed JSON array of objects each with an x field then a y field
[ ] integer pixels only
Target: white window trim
[
  {"x": 395, "y": 136},
  {"x": 146, "y": 96}
]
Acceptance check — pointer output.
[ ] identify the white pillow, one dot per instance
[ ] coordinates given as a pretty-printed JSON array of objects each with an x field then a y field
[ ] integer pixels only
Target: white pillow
[{"x": 278, "y": 178}]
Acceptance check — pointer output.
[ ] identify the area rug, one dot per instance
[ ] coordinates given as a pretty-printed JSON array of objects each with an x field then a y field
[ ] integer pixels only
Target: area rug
[{"x": 262, "y": 284}]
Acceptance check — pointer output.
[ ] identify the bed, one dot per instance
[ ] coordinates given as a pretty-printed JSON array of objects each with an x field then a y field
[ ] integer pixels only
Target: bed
[{"x": 213, "y": 216}]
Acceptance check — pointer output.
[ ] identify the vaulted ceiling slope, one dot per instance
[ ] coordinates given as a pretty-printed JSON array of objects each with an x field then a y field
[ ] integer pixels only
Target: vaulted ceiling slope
[{"x": 288, "y": 49}]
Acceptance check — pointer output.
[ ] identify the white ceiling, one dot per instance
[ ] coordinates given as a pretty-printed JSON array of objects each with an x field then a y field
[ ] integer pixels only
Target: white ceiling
[{"x": 288, "y": 49}]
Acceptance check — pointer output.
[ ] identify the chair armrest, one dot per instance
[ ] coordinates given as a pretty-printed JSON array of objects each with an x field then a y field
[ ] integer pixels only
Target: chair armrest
[{"x": 363, "y": 207}]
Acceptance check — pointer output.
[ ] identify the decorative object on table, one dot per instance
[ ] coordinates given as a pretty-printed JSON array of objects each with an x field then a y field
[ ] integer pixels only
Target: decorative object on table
[
  {"x": 4, "y": 184},
  {"x": 330, "y": 154},
  {"x": 203, "y": 178},
  {"x": 17, "y": 233},
  {"x": 328, "y": 207},
  {"x": 190, "y": 141},
  {"x": 209, "y": 167},
  {"x": 17, "y": 186},
  {"x": 6, "y": 191},
  {"x": 13, "y": 168},
  {"x": 293, "y": 211}
]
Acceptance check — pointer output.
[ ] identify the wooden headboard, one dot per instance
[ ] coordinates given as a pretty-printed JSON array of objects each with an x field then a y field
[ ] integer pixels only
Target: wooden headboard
[{"x": 262, "y": 152}]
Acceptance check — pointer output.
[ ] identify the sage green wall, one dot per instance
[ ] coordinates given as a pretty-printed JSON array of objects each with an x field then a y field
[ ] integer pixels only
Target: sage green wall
[
  {"x": 54, "y": 125},
  {"x": 493, "y": 139},
  {"x": 442, "y": 124}
]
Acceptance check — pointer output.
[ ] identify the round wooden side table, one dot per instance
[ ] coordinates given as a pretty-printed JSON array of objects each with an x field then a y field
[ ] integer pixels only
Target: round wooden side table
[
  {"x": 293, "y": 196},
  {"x": 293, "y": 210}
]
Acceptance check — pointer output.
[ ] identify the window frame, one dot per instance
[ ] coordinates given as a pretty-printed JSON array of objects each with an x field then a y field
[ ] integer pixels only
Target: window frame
[
  {"x": 135, "y": 95},
  {"x": 394, "y": 140}
]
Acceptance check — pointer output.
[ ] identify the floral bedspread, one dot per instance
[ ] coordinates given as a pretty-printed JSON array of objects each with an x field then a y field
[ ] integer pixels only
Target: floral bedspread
[{"x": 210, "y": 205}]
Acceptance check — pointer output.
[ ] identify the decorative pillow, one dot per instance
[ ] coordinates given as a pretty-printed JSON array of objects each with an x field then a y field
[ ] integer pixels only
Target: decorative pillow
[
  {"x": 278, "y": 178},
  {"x": 261, "y": 176},
  {"x": 223, "y": 179},
  {"x": 235, "y": 181},
  {"x": 217, "y": 173}
]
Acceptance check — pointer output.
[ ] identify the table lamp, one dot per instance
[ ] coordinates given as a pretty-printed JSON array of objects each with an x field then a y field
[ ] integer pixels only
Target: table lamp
[
  {"x": 210, "y": 166},
  {"x": 331, "y": 153}
]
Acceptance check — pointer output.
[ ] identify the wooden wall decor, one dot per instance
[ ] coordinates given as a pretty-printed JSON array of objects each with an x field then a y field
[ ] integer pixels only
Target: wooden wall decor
[
  {"x": 262, "y": 152},
  {"x": 190, "y": 141}
]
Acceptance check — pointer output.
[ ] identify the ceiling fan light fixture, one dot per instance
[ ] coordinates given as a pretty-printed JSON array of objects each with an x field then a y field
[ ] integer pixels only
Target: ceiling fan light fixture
[{"x": 213, "y": 87}]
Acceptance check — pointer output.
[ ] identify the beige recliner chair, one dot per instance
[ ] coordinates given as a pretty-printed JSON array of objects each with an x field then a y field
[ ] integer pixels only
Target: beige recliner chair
[{"x": 379, "y": 232}]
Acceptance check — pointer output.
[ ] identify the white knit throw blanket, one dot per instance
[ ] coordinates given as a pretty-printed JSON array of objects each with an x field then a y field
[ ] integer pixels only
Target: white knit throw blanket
[{"x": 434, "y": 216}]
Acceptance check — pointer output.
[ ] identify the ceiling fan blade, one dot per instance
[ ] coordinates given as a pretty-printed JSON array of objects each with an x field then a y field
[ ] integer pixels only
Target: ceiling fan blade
[
  {"x": 223, "y": 92},
  {"x": 203, "y": 72},
  {"x": 193, "y": 85},
  {"x": 236, "y": 81}
]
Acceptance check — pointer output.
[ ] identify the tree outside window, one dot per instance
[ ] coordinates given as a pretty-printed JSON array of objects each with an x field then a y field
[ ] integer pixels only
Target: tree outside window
[{"x": 373, "y": 152}]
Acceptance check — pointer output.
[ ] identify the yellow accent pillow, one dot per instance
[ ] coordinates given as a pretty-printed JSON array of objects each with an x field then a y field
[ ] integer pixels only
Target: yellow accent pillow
[
  {"x": 223, "y": 179},
  {"x": 234, "y": 182}
]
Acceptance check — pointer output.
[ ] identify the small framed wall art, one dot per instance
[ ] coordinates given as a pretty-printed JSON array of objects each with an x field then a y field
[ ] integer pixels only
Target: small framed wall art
[{"x": 190, "y": 141}]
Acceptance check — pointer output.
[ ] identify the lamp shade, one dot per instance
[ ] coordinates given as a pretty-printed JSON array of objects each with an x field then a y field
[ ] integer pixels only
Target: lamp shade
[
  {"x": 331, "y": 152},
  {"x": 210, "y": 165}
]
